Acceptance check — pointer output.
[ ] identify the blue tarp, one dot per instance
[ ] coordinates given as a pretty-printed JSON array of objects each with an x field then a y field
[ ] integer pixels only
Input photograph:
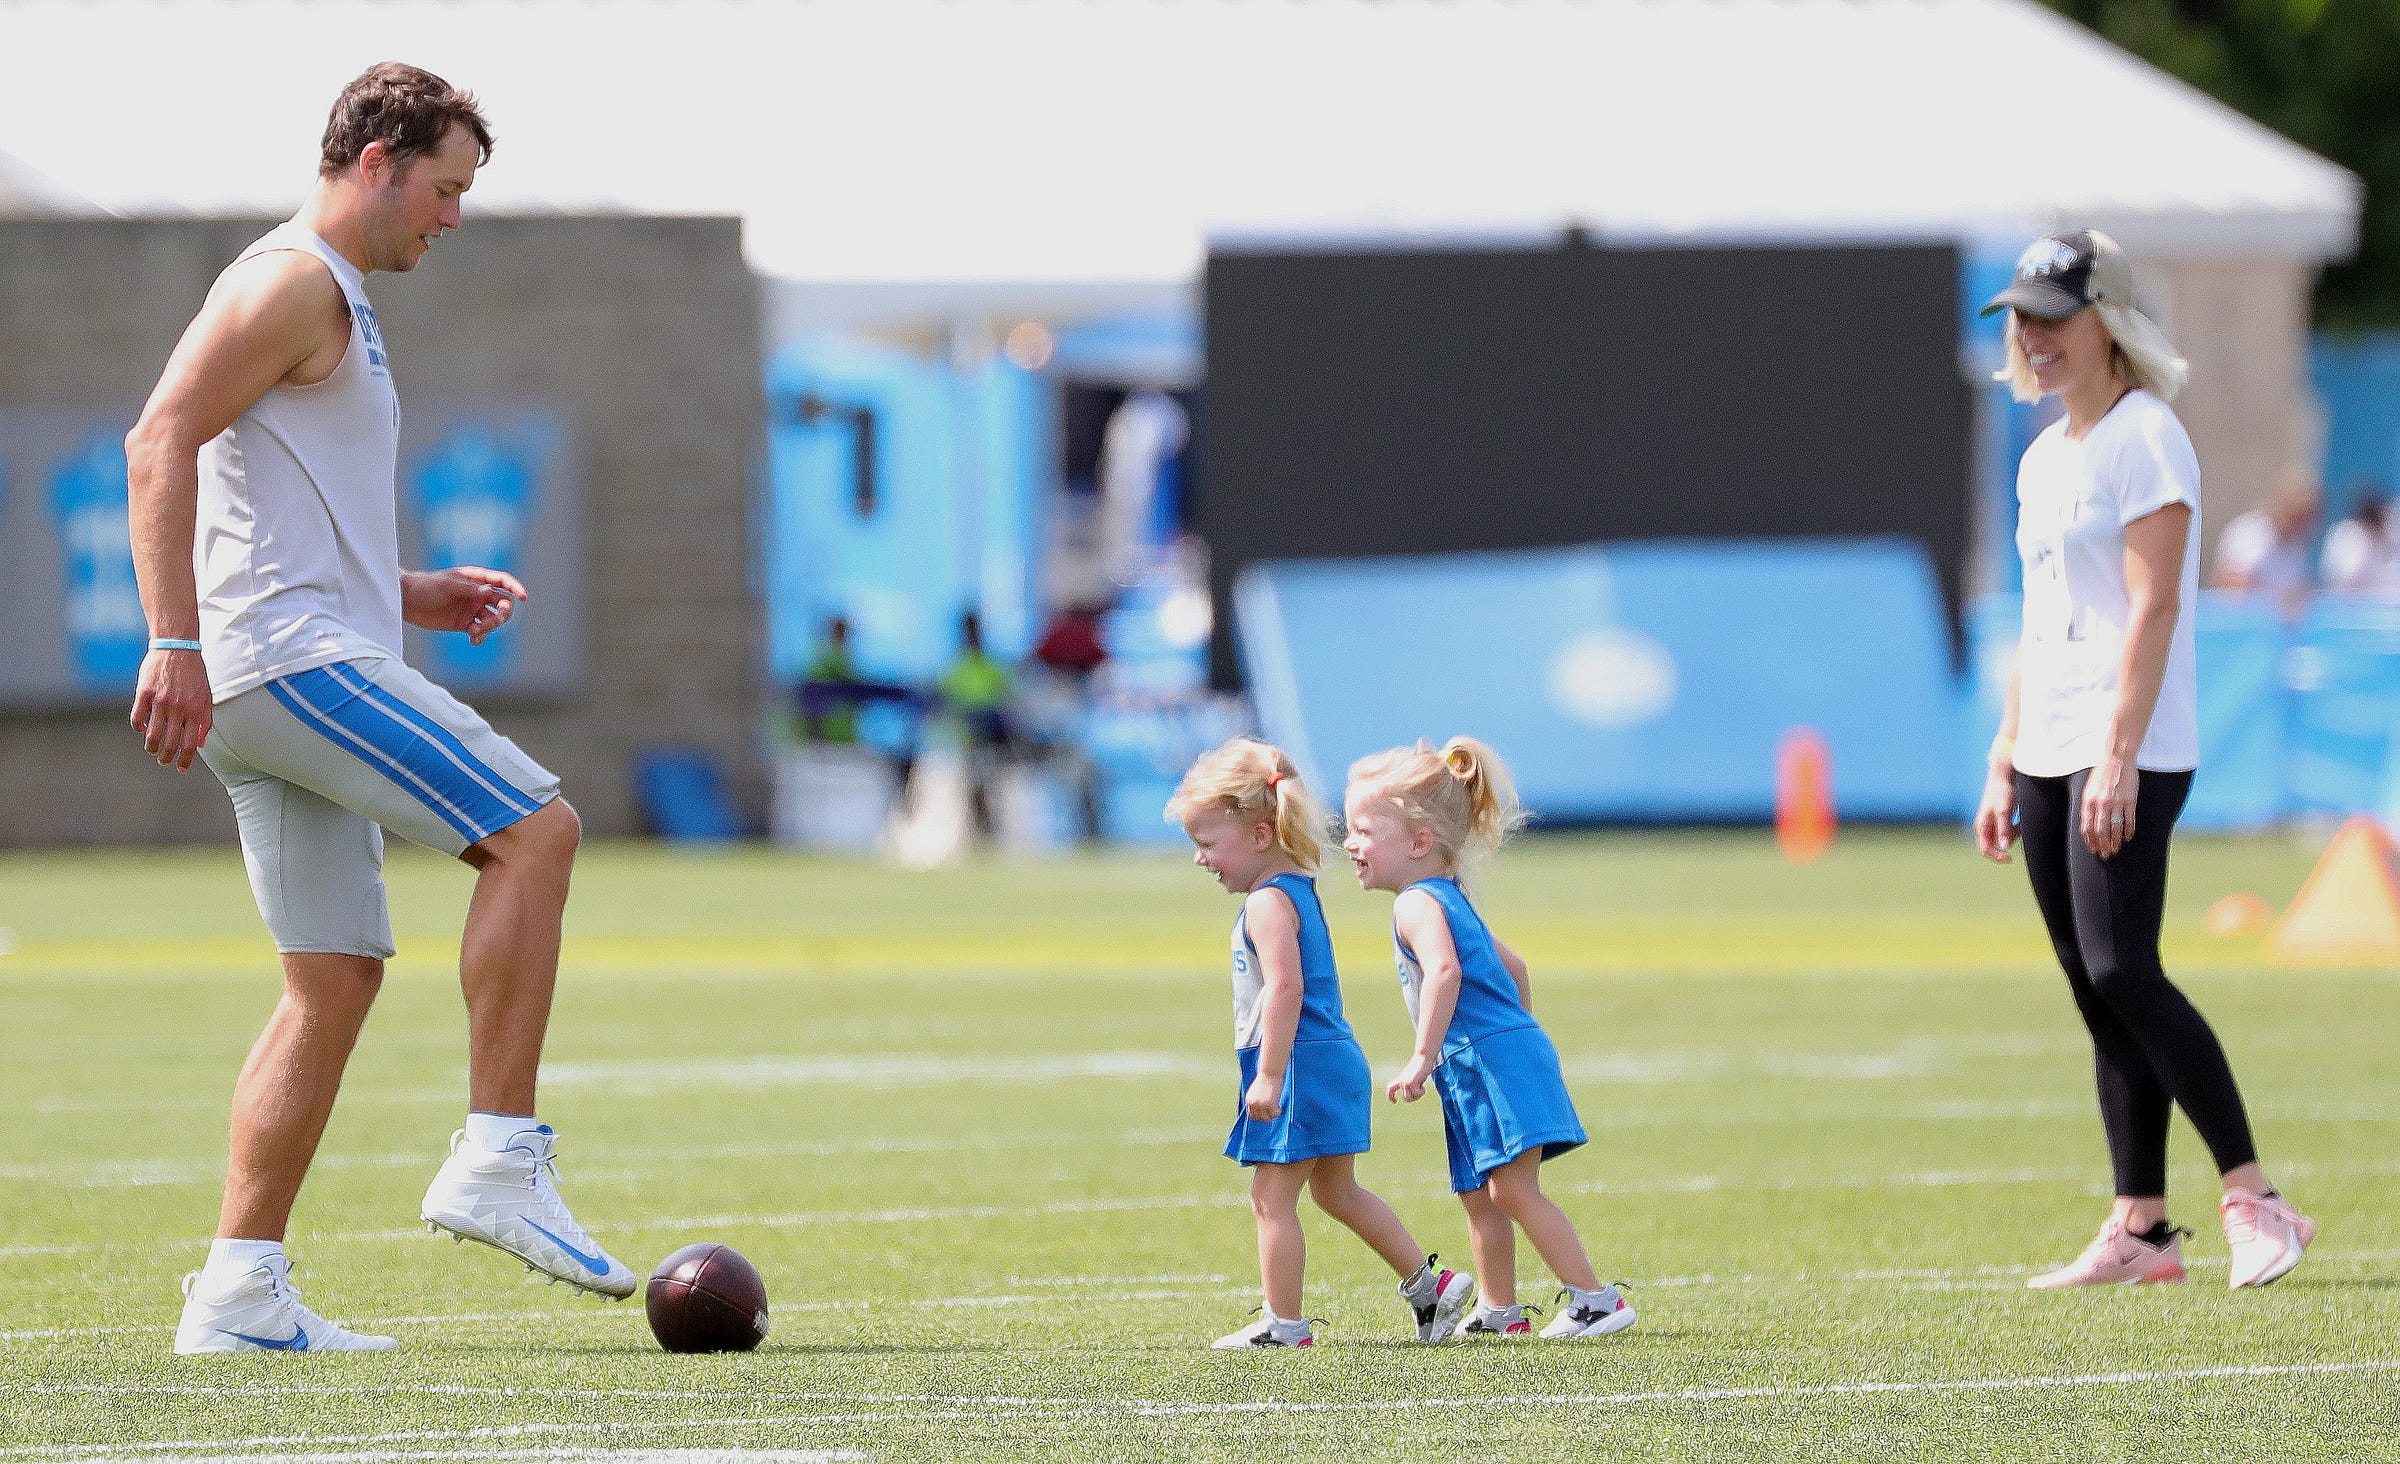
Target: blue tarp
[{"x": 1640, "y": 681}]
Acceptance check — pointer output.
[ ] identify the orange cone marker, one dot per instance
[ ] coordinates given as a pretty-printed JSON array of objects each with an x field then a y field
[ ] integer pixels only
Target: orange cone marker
[
  {"x": 2348, "y": 913},
  {"x": 1803, "y": 796}
]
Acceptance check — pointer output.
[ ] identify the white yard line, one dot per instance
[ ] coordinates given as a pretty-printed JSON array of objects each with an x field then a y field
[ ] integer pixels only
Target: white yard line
[
  {"x": 1051, "y": 1409},
  {"x": 1043, "y": 1291},
  {"x": 569, "y": 1454},
  {"x": 145, "y": 1172}
]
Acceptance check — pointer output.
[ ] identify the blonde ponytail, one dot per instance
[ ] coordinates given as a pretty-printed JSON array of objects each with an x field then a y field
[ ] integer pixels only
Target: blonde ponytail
[
  {"x": 1462, "y": 795},
  {"x": 1256, "y": 783}
]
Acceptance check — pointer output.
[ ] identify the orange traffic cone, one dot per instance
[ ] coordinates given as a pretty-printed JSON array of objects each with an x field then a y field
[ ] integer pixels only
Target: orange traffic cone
[
  {"x": 2348, "y": 913},
  {"x": 1803, "y": 796}
]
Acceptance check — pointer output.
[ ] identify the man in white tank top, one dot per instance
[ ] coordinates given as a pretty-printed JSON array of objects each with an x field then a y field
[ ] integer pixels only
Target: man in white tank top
[{"x": 265, "y": 534}]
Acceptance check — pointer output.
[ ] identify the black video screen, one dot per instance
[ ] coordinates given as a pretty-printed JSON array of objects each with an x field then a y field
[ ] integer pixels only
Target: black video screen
[{"x": 1373, "y": 403}]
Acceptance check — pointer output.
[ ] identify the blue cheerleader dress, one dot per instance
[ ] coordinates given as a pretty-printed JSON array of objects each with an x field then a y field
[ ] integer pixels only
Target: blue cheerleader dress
[
  {"x": 1502, "y": 1091},
  {"x": 1328, "y": 1093}
]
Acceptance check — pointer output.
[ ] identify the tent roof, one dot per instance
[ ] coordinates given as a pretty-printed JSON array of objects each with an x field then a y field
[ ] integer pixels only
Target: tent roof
[{"x": 1067, "y": 140}]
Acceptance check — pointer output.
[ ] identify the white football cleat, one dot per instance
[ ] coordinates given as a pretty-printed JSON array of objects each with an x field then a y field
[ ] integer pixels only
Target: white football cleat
[
  {"x": 1590, "y": 1314},
  {"x": 509, "y": 1200},
  {"x": 261, "y": 1313}
]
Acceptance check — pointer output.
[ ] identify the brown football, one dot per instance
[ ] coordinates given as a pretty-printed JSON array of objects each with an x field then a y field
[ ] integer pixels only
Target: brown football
[{"x": 707, "y": 1298}]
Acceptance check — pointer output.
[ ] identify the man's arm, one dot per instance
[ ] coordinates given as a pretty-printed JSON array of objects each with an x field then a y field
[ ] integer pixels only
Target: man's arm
[{"x": 271, "y": 318}]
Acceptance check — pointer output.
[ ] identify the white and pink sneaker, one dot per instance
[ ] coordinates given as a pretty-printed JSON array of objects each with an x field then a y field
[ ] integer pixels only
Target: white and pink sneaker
[
  {"x": 2266, "y": 1234},
  {"x": 2117, "y": 1257}
]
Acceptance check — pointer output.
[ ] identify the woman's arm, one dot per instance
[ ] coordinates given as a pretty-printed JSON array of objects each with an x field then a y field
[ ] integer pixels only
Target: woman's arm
[
  {"x": 1996, "y": 814},
  {"x": 2154, "y": 549}
]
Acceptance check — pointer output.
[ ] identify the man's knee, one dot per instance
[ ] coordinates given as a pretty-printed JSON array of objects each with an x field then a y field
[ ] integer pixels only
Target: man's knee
[{"x": 549, "y": 834}]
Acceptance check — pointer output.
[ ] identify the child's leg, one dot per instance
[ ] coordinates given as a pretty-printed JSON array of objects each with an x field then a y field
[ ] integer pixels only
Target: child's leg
[
  {"x": 1494, "y": 1243},
  {"x": 1338, "y": 1193},
  {"x": 1516, "y": 1190},
  {"x": 1282, "y": 1251}
]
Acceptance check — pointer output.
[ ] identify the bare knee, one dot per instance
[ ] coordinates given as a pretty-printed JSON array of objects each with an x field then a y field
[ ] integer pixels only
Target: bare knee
[
  {"x": 1334, "y": 1196},
  {"x": 1515, "y": 1194},
  {"x": 318, "y": 979},
  {"x": 548, "y": 835}
]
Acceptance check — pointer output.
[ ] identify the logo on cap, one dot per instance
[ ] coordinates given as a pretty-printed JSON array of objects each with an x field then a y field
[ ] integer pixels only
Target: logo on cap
[{"x": 2046, "y": 257}]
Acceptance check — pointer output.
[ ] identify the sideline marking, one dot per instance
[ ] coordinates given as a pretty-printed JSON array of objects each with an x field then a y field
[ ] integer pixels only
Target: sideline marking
[{"x": 1041, "y": 1409}]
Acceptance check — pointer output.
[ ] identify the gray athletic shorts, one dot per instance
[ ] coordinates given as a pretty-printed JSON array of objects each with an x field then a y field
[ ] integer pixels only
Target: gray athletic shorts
[{"x": 316, "y": 760}]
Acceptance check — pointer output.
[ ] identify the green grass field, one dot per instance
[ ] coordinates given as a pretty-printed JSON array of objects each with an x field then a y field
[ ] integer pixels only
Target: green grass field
[{"x": 967, "y": 1124}]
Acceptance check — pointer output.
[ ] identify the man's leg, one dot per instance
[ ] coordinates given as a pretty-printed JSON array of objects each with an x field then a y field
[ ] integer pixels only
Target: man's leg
[
  {"x": 286, "y": 1090},
  {"x": 508, "y": 957}
]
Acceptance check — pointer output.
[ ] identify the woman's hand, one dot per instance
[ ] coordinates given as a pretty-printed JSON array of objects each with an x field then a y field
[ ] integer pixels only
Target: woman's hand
[
  {"x": 1410, "y": 1085},
  {"x": 2108, "y": 797},
  {"x": 1264, "y": 1099},
  {"x": 1996, "y": 815}
]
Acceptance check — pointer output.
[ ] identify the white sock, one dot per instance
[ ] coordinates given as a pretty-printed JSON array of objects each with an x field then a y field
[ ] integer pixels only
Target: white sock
[
  {"x": 1286, "y": 1327},
  {"x": 1419, "y": 1285},
  {"x": 230, "y": 1260},
  {"x": 491, "y": 1132}
]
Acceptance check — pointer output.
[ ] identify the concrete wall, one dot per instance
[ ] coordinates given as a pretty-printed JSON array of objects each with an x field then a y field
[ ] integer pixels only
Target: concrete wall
[
  {"x": 2243, "y": 324},
  {"x": 644, "y": 331}
]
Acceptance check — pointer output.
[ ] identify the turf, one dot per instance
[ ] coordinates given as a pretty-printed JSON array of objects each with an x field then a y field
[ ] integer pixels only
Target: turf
[{"x": 967, "y": 1125}]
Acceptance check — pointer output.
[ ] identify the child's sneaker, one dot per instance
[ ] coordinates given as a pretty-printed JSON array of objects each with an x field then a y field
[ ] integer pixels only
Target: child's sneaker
[
  {"x": 1437, "y": 1298},
  {"x": 1496, "y": 1321},
  {"x": 1590, "y": 1313},
  {"x": 2118, "y": 1257},
  {"x": 1269, "y": 1330},
  {"x": 2267, "y": 1236}
]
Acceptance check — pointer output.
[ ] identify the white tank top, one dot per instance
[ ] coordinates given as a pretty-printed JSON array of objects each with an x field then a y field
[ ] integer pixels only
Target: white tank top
[{"x": 297, "y": 553}]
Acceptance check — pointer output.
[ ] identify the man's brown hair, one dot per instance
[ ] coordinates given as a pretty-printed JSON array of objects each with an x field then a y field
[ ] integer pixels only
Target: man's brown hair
[{"x": 406, "y": 108}]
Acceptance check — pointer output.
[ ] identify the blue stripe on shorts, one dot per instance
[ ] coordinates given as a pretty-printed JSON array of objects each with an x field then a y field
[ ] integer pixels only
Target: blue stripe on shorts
[
  {"x": 364, "y": 724},
  {"x": 519, "y": 803}
]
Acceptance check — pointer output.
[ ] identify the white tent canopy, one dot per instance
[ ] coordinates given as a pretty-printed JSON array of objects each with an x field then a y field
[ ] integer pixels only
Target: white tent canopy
[{"x": 907, "y": 141}]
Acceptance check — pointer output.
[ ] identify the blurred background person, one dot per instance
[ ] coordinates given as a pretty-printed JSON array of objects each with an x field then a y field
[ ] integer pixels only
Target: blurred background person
[
  {"x": 977, "y": 691},
  {"x": 2267, "y": 550},
  {"x": 2362, "y": 554}
]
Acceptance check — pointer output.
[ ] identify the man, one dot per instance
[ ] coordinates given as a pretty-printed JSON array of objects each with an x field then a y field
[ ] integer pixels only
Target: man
[{"x": 264, "y": 517}]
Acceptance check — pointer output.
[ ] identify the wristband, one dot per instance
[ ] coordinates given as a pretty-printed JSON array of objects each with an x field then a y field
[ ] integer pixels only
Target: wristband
[{"x": 172, "y": 643}]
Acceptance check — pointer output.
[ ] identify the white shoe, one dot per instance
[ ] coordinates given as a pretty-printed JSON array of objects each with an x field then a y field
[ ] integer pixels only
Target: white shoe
[
  {"x": 1267, "y": 1331},
  {"x": 1495, "y": 1321},
  {"x": 1437, "y": 1315},
  {"x": 1590, "y": 1314},
  {"x": 509, "y": 1200},
  {"x": 261, "y": 1313},
  {"x": 2266, "y": 1234}
]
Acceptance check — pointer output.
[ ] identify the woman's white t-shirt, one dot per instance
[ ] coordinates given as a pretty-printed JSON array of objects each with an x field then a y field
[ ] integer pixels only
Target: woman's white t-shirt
[{"x": 2074, "y": 500}]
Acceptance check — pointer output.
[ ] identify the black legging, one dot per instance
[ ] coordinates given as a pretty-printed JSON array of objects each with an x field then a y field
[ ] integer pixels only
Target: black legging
[{"x": 2151, "y": 1048}]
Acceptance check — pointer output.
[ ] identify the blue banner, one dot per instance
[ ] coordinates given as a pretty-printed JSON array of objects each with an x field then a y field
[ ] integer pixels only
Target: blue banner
[
  {"x": 475, "y": 492},
  {"x": 106, "y": 632},
  {"x": 1644, "y": 681}
]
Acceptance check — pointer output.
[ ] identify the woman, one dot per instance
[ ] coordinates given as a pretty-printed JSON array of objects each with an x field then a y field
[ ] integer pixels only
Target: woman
[{"x": 2099, "y": 738}]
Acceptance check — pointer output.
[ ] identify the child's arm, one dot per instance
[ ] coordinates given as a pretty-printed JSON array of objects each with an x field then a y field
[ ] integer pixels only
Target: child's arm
[
  {"x": 1274, "y": 928},
  {"x": 1516, "y": 972},
  {"x": 1419, "y": 919}
]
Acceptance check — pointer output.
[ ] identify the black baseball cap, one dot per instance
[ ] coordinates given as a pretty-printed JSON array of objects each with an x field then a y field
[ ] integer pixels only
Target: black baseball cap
[{"x": 2064, "y": 273}]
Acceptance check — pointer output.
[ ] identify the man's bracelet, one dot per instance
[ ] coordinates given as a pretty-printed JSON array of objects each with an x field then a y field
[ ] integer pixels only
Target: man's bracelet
[{"x": 172, "y": 643}]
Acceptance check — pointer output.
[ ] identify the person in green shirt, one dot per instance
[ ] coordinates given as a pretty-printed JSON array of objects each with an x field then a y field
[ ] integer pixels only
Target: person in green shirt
[{"x": 976, "y": 690}]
